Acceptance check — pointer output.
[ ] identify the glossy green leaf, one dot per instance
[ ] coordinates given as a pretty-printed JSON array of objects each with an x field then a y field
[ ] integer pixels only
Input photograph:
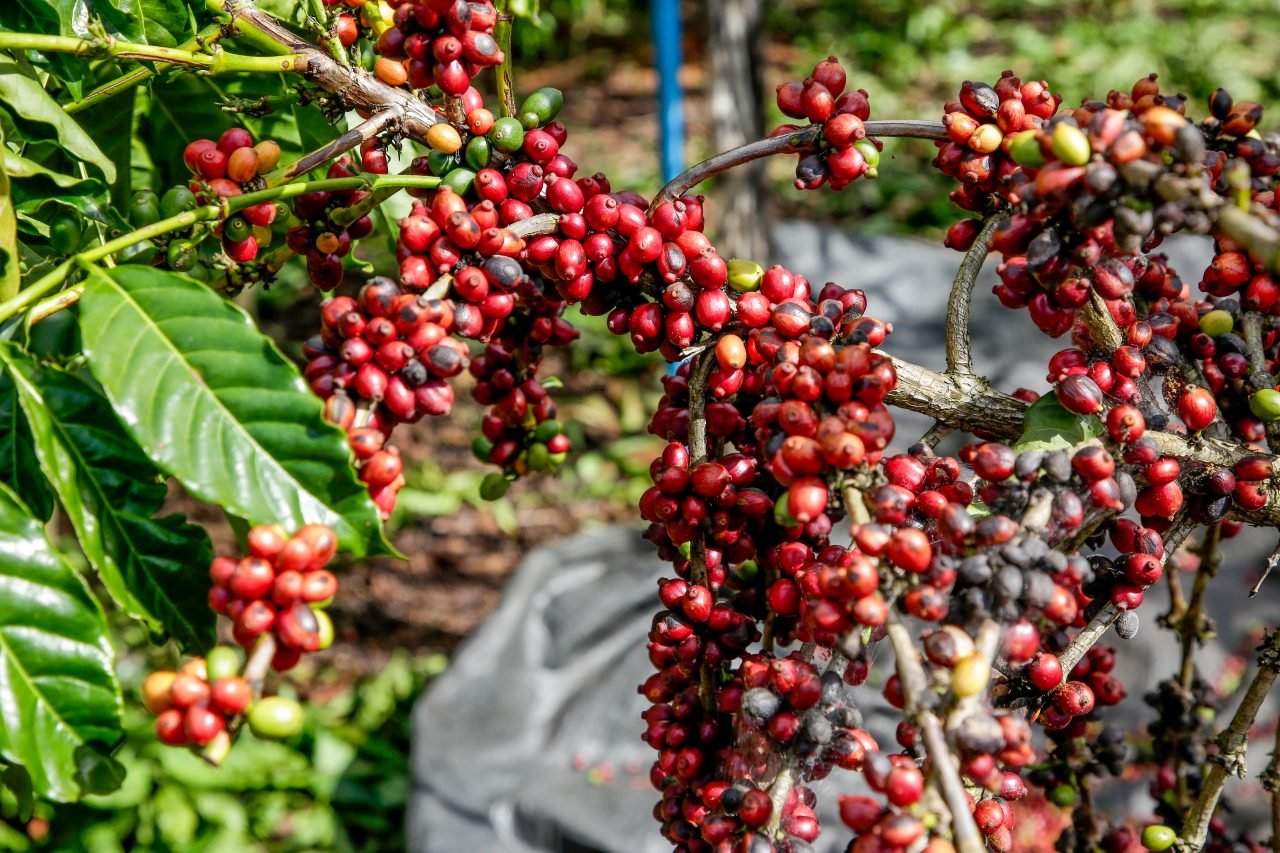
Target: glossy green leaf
[
  {"x": 214, "y": 403},
  {"x": 155, "y": 569},
  {"x": 10, "y": 274},
  {"x": 33, "y": 184},
  {"x": 58, "y": 689},
  {"x": 1048, "y": 425},
  {"x": 19, "y": 467},
  {"x": 163, "y": 22},
  {"x": 29, "y": 101}
]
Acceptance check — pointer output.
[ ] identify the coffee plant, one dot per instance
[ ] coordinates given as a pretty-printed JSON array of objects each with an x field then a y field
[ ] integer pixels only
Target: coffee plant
[{"x": 799, "y": 542}]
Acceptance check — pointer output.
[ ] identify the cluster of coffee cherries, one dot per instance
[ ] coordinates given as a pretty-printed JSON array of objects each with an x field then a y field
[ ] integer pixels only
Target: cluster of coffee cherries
[
  {"x": 200, "y": 705},
  {"x": 441, "y": 43},
  {"x": 383, "y": 357},
  {"x": 323, "y": 242},
  {"x": 982, "y": 125},
  {"x": 844, "y": 152},
  {"x": 281, "y": 587},
  {"x": 228, "y": 167}
]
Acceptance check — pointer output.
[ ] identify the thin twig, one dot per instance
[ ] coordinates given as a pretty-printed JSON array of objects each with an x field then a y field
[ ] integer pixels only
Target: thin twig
[
  {"x": 1272, "y": 561},
  {"x": 504, "y": 81},
  {"x": 1233, "y": 744},
  {"x": 959, "y": 352},
  {"x": 785, "y": 144},
  {"x": 1192, "y": 625},
  {"x": 1091, "y": 633},
  {"x": 914, "y": 688}
]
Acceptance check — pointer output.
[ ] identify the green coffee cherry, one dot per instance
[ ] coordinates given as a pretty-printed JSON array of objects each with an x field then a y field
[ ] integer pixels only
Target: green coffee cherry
[
  {"x": 541, "y": 107},
  {"x": 275, "y": 718},
  {"x": 1217, "y": 322},
  {"x": 481, "y": 447},
  {"x": 183, "y": 256},
  {"x": 1062, "y": 795},
  {"x": 237, "y": 229},
  {"x": 871, "y": 154},
  {"x": 324, "y": 628},
  {"x": 557, "y": 459},
  {"x": 145, "y": 209},
  {"x": 494, "y": 486},
  {"x": 1158, "y": 837},
  {"x": 507, "y": 135},
  {"x": 782, "y": 515},
  {"x": 66, "y": 231},
  {"x": 222, "y": 662},
  {"x": 478, "y": 152},
  {"x": 537, "y": 457},
  {"x": 546, "y": 431},
  {"x": 440, "y": 163},
  {"x": 1265, "y": 404},
  {"x": 745, "y": 274},
  {"x": 1070, "y": 145},
  {"x": 748, "y": 570},
  {"x": 177, "y": 200},
  {"x": 1025, "y": 149},
  {"x": 459, "y": 180}
]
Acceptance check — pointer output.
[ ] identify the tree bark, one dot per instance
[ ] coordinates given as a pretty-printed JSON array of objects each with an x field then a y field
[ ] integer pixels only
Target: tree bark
[{"x": 740, "y": 223}]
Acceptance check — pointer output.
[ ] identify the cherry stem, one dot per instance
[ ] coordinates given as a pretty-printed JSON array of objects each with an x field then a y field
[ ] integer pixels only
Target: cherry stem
[
  {"x": 1233, "y": 744},
  {"x": 351, "y": 88},
  {"x": 331, "y": 151},
  {"x": 959, "y": 351},
  {"x": 788, "y": 143},
  {"x": 215, "y": 62},
  {"x": 915, "y": 687},
  {"x": 111, "y": 88},
  {"x": 1193, "y": 624},
  {"x": 502, "y": 74},
  {"x": 186, "y": 219},
  {"x": 328, "y": 35}
]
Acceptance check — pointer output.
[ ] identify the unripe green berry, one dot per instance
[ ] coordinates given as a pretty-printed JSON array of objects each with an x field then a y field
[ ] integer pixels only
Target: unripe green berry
[
  {"x": 1070, "y": 145},
  {"x": 275, "y": 718},
  {"x": 1217, "y": 322},
  {"x": 1158, "y": 837},
  {"x": 745, "y": 275},
  {"x": 1025, "y": 149},
  {"x": 1265, "y": 404},
  {"x": 494, "y": 486},
  {"x": 222, "y": 662}
]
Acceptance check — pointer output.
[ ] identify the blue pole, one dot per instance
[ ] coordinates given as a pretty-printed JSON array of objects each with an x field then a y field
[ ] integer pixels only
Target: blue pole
[{"x": 665, "y": 23}]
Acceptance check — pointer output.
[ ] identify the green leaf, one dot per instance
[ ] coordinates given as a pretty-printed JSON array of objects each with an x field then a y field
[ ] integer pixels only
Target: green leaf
[
  {"x": 96, "y": 772},
  {"x": 25, "y": 97},
  {"x": 33, "y": 184},
  {"x": 1048, "y": 425},
  {"x": 19, "y": 467},
  {"x": 58, "y": 688},
  {"x": 163, "y": 22},
  {"x": 17, "y": 780},
  {"x": 155, "y": 569},
  {"x": 10, "y": 273},
  {"x": 214, "y": 403}
]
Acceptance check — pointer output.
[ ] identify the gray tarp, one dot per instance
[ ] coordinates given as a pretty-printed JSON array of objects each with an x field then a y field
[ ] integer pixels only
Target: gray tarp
[{"x": 531, "y": 740}]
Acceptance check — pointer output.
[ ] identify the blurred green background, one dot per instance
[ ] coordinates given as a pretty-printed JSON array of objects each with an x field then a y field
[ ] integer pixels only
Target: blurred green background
[{"x": 341, "y": 786}]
